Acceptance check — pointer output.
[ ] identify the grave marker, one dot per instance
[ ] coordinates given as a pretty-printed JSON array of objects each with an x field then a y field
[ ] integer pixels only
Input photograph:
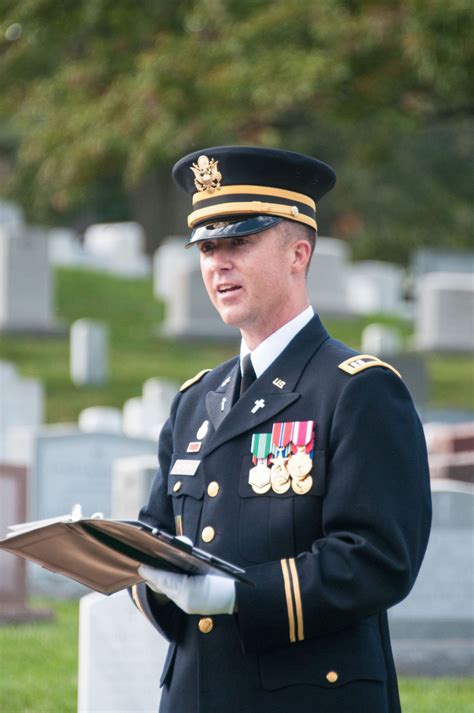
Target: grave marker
[
  {"x": 121, "y": 657},
  {"x": 433, "y": 629}
]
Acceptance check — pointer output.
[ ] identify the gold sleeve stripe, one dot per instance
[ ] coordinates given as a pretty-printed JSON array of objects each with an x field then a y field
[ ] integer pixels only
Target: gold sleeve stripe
[
  {"x": 298, "y": 603},
  {"x": 360, "y": 362},
  {"x": 257, "y": 191},
  {"x": 137, "y": 601},
  {"x": 179, "y": 524},
  {"x": 250, "y": 207},
  {"x": 289, "y": 601}
]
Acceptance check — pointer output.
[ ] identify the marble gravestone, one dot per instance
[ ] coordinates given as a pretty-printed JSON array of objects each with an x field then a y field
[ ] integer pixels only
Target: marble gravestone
[
  {"x": 158, "y": 395},
  {"x": 132, "y": 479},
  {"x": 428, "y": 260},
  {"x": 433, "y": 629},
  {"x": 26, "y": 294},
  {"x": 167, "y": 260},
  {"x": 21, "y": 409},
  {"x": 13, "y": 592},
  {"x": 121, "y": 657},
  {"x": 65, "y": 249},
  {"x": 11, "y": 215},
  {"x": 328, "y": 277},
  {"x": 133, "y": 418},
  {"x": 445, "y": 312},
  {"x": 189, "y": 313},
  {"x": 88, "y": 352},
  {"x": 375, "y": 287},
  {"x": 100, "y": 419},
  {"x": 73, "y": 467},
  {"x": 117, "y": 248}
]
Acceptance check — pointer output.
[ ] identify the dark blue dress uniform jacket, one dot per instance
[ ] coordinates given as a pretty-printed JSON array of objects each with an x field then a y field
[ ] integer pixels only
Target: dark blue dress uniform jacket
[{"x": 311, "y": 635}]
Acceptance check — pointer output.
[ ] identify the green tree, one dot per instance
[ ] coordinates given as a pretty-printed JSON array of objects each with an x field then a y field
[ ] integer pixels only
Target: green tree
[{"x": 95, "y": 91}]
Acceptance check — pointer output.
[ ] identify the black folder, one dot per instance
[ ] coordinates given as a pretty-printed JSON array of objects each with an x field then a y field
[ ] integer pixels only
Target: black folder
[{"x": 105, "y": 554}]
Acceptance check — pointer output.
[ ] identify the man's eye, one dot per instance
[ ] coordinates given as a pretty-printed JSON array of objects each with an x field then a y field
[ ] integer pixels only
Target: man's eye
[
  {"x": 240, "y": 241},
  {"x": 206, "y": 247}
]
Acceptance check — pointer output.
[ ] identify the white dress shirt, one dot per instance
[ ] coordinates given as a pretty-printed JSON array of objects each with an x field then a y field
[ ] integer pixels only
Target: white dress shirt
[{"x": 265, "y": 354}]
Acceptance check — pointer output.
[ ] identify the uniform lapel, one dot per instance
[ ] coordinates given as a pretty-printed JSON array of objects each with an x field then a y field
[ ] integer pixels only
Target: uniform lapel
[
  {"x": 219, "y": 402},
  {"x": 274, "y": 391}
]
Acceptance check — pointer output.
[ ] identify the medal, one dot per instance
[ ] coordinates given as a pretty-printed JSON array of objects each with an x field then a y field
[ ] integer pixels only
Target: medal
[
  {"x": 259, "y": 475},
  {"x": 280, "y": 476},
  {"x": 301, "y": 486},
  {"x": 300, "y": 463}
]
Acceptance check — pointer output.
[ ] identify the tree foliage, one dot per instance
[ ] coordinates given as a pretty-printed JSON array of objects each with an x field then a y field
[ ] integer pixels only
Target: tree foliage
[{"x": 91, "y": 89}]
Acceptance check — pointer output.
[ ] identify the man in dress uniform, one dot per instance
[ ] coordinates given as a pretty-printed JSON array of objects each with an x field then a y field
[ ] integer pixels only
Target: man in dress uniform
[{"x": 300, "y": 460}]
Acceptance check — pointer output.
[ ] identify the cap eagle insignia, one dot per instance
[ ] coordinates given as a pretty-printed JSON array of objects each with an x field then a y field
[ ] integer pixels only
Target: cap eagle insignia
[{"x": 207, "y": 176}]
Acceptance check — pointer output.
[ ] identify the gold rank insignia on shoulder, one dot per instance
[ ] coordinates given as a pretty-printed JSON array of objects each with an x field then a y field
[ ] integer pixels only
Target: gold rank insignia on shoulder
[
  {"x": 194, "y": 379},
  {"x": 207, "y": 176},
  {"x": 354, "y": 365}
]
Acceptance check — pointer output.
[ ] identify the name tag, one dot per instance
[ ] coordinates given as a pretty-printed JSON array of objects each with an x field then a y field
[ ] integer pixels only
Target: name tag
[{"x": 185, "y": 467}]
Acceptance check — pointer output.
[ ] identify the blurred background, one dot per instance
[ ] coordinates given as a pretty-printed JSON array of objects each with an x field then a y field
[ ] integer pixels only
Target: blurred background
[{"x": 103, "y": 314}]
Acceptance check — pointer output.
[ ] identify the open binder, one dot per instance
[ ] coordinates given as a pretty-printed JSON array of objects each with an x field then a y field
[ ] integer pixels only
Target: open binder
[{"x": 105, "y": 554}]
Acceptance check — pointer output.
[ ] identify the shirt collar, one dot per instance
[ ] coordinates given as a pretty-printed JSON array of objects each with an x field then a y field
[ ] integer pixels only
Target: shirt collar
[{"x": 265, "y": 354}]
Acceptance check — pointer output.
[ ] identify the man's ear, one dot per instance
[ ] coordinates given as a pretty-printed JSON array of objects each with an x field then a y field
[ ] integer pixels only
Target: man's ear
[{"x": 301, "y": 255}]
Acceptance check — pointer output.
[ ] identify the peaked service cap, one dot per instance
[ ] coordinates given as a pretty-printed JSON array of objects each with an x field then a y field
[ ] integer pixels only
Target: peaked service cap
[{"x": 240, "y": 190}]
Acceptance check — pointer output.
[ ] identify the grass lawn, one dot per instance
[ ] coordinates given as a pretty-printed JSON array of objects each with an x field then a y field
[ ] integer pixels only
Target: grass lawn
[
  {"x": 38, "y": 663},
  {"x": 38, "y": 672},
  {"x": 132, "y": 315}
]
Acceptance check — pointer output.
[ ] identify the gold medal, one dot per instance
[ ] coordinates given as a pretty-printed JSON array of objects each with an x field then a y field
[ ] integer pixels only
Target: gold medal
[
  {"x": 281, "y": 487},
  {"x": 280, "y": 476},
  {"x": 261, "y": 491},
  {"x": 302, "y": 486},
  {"x": 260, "y": 477},
  {"x": 300, "y": 464}
]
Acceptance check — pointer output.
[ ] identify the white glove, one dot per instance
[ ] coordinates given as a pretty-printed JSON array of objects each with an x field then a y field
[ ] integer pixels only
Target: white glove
[{"x": 197, "y": 594}]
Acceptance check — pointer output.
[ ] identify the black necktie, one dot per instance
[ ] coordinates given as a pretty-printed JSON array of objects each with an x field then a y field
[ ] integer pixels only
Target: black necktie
[{"x": 248, "y": 374}]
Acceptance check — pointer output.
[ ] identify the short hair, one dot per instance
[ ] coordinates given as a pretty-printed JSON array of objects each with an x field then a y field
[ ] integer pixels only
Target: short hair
[{"x": 291, "y": 231}]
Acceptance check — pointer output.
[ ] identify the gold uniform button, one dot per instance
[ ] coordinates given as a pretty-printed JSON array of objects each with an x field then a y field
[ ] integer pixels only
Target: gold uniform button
[
  {"x": 212, "y": 489},
  {"x": 206, "y": 625},
  {"x": 177, "y": 486},
  {"x": 332, "y": 676},
  {"x": 208, "y": 534}
]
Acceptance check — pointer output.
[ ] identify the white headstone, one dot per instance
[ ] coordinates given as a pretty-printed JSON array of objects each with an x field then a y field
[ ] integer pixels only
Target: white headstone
[
  {"x": 375, "y": 287},
  {"x": 21, "y": 407},
  {"x": 118, "y": 248},
  {"x": 88, "y": 352},
  {"x": 74, "y": 467},
  {"x": 158, "y": 395},
  {"x": 131, "y": 484},
  {"x": 120, "y": 657},
  {"x": 433, "y": 629},
  {"x": 133, "y": 419},
  {"x": 379, "y": 339},
  {"x": 445, "y": 312},
  {"x": 167, "y": 260},
  {"x": 65, "y": 249},
  {"x": 100, "y": 419},
  {"x": 189, "y": 312},
  {"x": 426, "y": 260},
  {"x": 26, "y": 294},
  {"x": 327, "y": 277},
  {"x": 11, "y": 215}
]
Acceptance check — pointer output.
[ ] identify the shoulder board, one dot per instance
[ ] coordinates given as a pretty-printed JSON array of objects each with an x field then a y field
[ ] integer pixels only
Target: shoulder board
[
  {"x": 194, "y": 379},
  {"x": 354, "y": 365}
]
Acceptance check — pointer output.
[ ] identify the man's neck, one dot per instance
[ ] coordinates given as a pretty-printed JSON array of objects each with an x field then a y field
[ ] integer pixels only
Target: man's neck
[{"x": 253, "y": 338}]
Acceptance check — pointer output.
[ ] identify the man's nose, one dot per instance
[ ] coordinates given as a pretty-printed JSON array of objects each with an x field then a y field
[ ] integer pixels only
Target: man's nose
[{"x": 221, "y": 258}]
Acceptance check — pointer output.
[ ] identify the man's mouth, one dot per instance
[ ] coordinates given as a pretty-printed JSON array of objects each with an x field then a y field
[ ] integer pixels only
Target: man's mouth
[{"x": 224, "y": 289}]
